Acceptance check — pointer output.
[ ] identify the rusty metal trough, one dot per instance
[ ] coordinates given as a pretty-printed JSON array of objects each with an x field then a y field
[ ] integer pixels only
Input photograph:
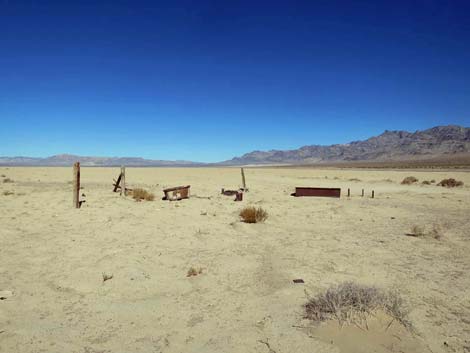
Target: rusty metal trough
[
  {"x": 321, "y": 192},
  {"x": 176, "y": 193}
]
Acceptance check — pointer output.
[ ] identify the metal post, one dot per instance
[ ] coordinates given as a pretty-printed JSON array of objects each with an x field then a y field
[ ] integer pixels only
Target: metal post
[{"x": 76, "y": 185}]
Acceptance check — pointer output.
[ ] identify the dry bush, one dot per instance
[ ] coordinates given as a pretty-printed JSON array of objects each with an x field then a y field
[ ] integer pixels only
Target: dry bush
[
  {"x": 426, "y": 182},
  {"x": 194, "y": 271},
  {"x": 142, "y": 194},
  {"x": 350, "y": 302},
  {"x": 8, "y": 180},
  {"x": 450, "y": 183},
  {"x": 420, "y": 232},
  {"x": 409, "y": 180},
  {"x": 433, "y": 181},
  {"x": 253, "y": 215},
  {"x": 8, "y": 193},
  {"x": 107, "y": 277}
]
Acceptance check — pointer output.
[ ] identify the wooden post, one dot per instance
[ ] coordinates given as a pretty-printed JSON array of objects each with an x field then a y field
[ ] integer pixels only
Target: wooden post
[
  {"x": 123, "y": 181},
  {"x": 76, "y": 185},
  {"x": 243, "y": 179},
  {"x": 372, "y": 193},
  {"x": 362, "y": 192},
  {"x": 349, "y": 192}
]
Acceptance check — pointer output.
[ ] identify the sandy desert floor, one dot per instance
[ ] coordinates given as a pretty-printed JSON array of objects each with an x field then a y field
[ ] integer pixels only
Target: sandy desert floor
[{"x": 52, "y": 258}]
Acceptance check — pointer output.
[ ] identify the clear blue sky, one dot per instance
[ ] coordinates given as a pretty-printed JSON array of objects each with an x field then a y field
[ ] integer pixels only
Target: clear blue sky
[{"x": 208, "y": 80}]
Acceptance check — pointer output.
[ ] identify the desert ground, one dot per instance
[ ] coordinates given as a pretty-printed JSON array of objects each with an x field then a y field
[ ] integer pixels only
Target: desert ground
[{"x": 53, "y": 257}]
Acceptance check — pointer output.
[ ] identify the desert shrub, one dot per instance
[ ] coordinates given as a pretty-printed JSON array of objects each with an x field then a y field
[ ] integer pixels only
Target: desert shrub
[
  {"x": 433, "y": 181},
  {"x": 253, "y": 215},
  {"x": 351, "y": 302},
  {"x": 421, "y": 232},
  {"x": 409, "y": 180},
  {"x": 354, "y": 179},
  {"x": 450, "y": 183},
  {"x": 426, "y": 182},
  {"x": 194, "y": 271},
  {"x": 7, "y": 180},
  {"x": 7, "y": 193},
  {"x": 142, "y": 194}
]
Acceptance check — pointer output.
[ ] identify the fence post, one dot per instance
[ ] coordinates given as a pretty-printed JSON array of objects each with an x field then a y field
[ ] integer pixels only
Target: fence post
[
  {"x": 76, "y": 185},
  {"x": 123, "y": 181},
  {"x": 243, "y": 179}
]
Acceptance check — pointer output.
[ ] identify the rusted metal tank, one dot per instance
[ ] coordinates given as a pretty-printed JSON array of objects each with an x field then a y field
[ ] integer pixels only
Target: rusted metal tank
[
  {"x": 320, "y": 192},
  {"x": 176, "y": 193}
]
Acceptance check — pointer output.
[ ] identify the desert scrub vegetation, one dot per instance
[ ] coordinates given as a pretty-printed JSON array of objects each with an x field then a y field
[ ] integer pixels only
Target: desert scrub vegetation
[
  {"x": 418, "y": 231},
  {"x": 253, "y": 215},
  {"x": 8, "y": 180},
  {"x": 8, "y": 193},
  {"x": 142, "y": 194},
  {"x": 426, "y": 182},
  {"x": 352, "y": 303},
  {"x": 409, "y": 180},
  {"x": 450, "y": 183},
  {"x": 194, "y": 271}
]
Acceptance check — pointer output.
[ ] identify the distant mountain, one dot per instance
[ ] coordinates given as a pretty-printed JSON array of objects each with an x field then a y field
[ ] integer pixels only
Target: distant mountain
[
  {"x": 437, "y": 142},
  {"x": 389, "y": 146},
  {"x": 68, "y": 160}
]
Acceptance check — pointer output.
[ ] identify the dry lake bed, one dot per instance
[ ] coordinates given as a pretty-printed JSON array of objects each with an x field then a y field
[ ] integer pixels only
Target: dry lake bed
[{"x": 53, "y": 259}]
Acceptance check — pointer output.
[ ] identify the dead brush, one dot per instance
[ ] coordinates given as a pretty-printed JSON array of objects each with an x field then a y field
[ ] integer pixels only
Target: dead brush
[
  {"x": 421, "y": 232},
  {"x": 353, "y": 303},
  {"x": 8, "y": 193},
  {"x": 8, "y": 180},
  {"x": 194, "y": 271},
  {"x": 253, "y": 215},
  {"x": 409, "y": 180},
  {"x": 142, "y": 194},
  {"x": 450, "y": 183}
]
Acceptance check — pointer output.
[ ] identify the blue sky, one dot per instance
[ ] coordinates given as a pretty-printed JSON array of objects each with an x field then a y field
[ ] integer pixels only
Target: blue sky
[{"x": 209, "y": 80}]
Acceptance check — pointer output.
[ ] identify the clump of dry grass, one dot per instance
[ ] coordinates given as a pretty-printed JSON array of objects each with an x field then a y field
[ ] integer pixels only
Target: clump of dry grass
[
  {"x": 350, "y": 302},
  {"x": 8, "y": 193},
  {"x": 194, "y": 271},
  {"x": 409, "y": 180},
  {"x": 142, "y": 194},
  {"x": 421, "y": 231},
  {"x": 426, "y": 182},
  {"x": 450, "y": 183},
  {"x": 8, "y": 180},
  {"x": 107, "y": 277},
  {"x": 253, "y": 215}
]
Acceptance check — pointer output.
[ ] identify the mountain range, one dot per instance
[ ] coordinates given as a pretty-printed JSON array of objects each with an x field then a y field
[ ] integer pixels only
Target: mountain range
[{"x": 437, "y": 142}]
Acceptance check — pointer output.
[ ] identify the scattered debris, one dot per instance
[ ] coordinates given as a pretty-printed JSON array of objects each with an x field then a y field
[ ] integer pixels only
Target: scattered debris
[
  {"x": 421, "y": 232},
  {"x": 298, "y": 280},
  {"x": 321, "y": 192},
  {"x": 176, "y": 193},
  {"x": 239, "y": 196},
  {"x": 229, "y": 192}
]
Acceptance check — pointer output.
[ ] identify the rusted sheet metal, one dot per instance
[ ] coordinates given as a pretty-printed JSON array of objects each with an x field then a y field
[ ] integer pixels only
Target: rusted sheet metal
[
  {"x": 239, "y": 196},
  {"x": 322, "y": 192},
  {"x": 177, "y": 193}
]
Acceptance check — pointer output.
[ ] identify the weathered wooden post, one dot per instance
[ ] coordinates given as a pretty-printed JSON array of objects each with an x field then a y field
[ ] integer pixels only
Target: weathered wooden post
[
  {"x": 123, "y": 181},
  {"x": 349, "y": 192},
  {"x": 362, "y": 193},
  {"x": 373, "y": 193},
  {"x": 243, "y": 179},
  {"x": 76, "y": 185}
]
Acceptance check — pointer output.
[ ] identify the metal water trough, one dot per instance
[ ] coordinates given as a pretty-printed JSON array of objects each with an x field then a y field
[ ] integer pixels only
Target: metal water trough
[
  {"x": 177, "y": 193},
  {"x": 321, "y": 192}
]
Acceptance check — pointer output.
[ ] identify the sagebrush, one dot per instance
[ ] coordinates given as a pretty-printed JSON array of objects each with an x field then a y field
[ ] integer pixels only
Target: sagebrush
[
  {"x": 409, "y": 180},
  {"x": 350, "y": 302},
  {"x": 253, "y": 215},
  {"x": 450, "y": 183},
  {"x": 142, "y": 194}
]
